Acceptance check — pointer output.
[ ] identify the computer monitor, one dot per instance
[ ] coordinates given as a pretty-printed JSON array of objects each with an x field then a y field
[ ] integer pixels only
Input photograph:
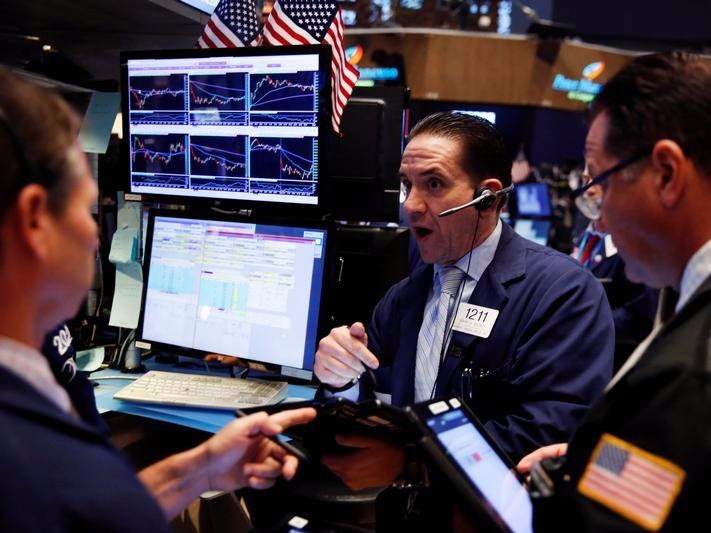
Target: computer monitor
[
  {"x": 206, "y": 6},
  {"x": 363, "y": 182},
  {"x": 489, "y": 116},
  {"x": 227, "y": 125},
  {"x": 536, "y": 230},
  {"x": 532, "y": 200},
  {"x": 243, "y": 288}
]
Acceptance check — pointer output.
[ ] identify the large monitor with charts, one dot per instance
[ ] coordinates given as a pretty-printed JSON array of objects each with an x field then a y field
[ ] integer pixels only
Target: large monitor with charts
[
  {"x": 229, "y": 125},
  {"x": 243, "y": 288}
]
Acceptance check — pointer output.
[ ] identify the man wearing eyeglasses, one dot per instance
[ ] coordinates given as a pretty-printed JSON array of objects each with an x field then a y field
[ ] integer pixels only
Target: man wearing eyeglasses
[
  {"x": 633, "y": 305},
  {"x": 640, "y": 460}
]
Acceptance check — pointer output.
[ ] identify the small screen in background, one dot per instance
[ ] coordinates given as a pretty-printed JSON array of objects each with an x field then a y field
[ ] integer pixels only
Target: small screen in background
[
  {"x": 349, "y": 17},
  {"x": 484, "y": 468},
  {"x": 206, "y": 6},
  {"x": 533, "y": 230},
  {"x": 486, "y": 115},
  {"x": 533, "y": 200}
]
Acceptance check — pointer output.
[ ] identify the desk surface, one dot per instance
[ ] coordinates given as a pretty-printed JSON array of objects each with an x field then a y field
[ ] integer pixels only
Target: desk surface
[{"x": 111, "y": 381}]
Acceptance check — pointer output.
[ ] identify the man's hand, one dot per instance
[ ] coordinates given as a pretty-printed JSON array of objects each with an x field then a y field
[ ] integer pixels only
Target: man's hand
[
  {"x": 374, "y": 462},
  {"x": 343, "y": 355},
  {"x": 240, "y": 454},
  {"x": 553, "y": 450}
]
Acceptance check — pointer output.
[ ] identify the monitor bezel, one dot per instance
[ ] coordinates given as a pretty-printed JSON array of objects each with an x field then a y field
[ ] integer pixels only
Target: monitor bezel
[
  {"x": 234, "y": 205},
  {"x": 291, "y": 373}
]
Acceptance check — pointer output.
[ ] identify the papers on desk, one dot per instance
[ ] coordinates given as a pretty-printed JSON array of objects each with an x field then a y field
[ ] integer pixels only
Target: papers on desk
[
  {"x": 127, "y": 295},
  {"x": 129, "y": 273}
]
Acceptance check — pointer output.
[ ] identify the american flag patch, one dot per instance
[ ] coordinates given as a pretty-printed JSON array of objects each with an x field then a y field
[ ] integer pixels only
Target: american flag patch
[{"x": 631, "y": 481}]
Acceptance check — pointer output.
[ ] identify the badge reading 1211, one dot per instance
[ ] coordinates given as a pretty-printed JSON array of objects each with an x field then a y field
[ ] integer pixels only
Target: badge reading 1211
[{"x": 475, "y": 320}]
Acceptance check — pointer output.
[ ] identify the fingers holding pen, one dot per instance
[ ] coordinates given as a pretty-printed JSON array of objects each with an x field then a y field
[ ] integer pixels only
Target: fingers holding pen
[{"x": 343, "y": 355}]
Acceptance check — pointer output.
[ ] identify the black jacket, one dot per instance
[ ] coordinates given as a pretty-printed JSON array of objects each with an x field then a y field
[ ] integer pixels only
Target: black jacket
[{"x": 661, "y": 411}]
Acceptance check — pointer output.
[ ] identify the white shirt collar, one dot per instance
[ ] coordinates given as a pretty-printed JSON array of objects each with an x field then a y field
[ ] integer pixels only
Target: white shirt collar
[
  {"x": 31, "y": 366},
  {"x": 481, "y": 256},
  {"x": 695, "y": 272}
]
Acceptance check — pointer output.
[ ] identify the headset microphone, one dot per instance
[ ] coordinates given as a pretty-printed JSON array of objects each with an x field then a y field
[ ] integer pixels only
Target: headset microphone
[{"x": 485, "y": 197}]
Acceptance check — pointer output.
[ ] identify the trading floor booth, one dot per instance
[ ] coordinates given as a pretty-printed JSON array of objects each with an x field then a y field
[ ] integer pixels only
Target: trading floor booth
[{"x": 260, "y": 229}]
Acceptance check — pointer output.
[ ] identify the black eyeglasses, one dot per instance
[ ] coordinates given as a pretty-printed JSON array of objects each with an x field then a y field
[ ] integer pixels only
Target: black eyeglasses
[
  {"x": 610, "y": 171},
  {"x": 590, "y": 205}
]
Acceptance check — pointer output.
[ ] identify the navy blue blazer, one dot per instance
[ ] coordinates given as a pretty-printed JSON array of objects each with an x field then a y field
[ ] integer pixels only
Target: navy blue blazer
[
  {"x": 61, "y": 474},
  {"x": 547, "y": 358}
]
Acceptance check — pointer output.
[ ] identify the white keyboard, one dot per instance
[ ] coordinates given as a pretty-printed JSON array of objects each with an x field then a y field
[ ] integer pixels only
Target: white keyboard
[{"x": 199, "y": 390}]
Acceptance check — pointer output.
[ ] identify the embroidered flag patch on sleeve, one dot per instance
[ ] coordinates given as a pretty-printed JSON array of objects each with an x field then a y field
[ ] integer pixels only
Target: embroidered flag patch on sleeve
[{"x": 639, "y": 485}]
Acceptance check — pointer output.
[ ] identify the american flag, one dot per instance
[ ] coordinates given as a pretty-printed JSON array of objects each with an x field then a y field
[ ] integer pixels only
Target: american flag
[
  {"x": 315, "y": 22},
  {"x": 233, "y": 23},
  {"x": 633, "y": 482}
]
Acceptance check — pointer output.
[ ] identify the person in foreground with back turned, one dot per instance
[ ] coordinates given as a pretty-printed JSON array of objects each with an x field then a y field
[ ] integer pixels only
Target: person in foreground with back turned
[
  {"x": 641, "y": 459},
  {"x": 532, "y": 342},
  {"x": 59, "y": 472}
]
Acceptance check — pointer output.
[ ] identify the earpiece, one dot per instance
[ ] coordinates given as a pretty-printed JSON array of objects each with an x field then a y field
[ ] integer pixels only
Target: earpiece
[{"x": 486, "y": 198}]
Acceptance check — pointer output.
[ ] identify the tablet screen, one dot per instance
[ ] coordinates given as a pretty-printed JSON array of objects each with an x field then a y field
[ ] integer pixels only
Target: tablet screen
[{"x": 491, "y": 476}]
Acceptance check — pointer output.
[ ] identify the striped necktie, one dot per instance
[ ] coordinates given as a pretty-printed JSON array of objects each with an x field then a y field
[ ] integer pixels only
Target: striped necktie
[
  {"x": 433, "y": 331},
  {"x": 589, "y": 247}
]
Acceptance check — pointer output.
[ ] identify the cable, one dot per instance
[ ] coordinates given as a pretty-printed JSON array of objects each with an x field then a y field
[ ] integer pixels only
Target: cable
[
  {"x": 114, "y": 361},
  {"x": 117, "y": 360},
  {"x": 100, "y": 272},
  {"x": 450, "y": 326},
  {"x": 100, "y": 303}
]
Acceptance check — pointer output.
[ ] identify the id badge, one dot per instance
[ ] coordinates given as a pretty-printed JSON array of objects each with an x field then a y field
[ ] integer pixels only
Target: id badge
[{"x": 475, "y": 320}]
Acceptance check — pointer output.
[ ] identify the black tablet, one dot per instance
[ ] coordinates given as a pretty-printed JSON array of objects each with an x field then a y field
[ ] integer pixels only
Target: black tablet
[
  {"x": 480, "y": 472},
  {"x": 340, "y": 415},
  {"x": 371, "y": 416}
]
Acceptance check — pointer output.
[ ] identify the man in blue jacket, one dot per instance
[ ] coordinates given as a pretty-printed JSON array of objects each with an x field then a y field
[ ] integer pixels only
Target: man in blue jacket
[{"x": 528, "y": 340}]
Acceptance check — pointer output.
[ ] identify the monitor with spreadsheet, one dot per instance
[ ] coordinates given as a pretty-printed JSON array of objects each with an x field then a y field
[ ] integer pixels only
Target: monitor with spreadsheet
[
  {"x": 224, "y": 125},
  {"x": 243, "y": 288}
]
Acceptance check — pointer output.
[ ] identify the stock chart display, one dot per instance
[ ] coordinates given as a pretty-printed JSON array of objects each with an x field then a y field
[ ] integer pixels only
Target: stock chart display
[{"x": 231, "y": 129}]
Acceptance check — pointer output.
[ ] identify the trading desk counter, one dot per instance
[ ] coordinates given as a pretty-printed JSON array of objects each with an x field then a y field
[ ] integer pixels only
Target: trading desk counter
[{"x": 109, "y": 381}]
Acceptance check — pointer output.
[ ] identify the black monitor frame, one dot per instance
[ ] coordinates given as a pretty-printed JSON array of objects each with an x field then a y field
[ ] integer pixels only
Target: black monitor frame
[
  {"x": 297, "y": 374},
  {"x": 239, "y": 202},
  {"x": 363, "y": 182}
]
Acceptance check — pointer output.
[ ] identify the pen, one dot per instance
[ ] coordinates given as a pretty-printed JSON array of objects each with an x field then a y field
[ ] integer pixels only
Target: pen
[{"x": 300, "y": 454}]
